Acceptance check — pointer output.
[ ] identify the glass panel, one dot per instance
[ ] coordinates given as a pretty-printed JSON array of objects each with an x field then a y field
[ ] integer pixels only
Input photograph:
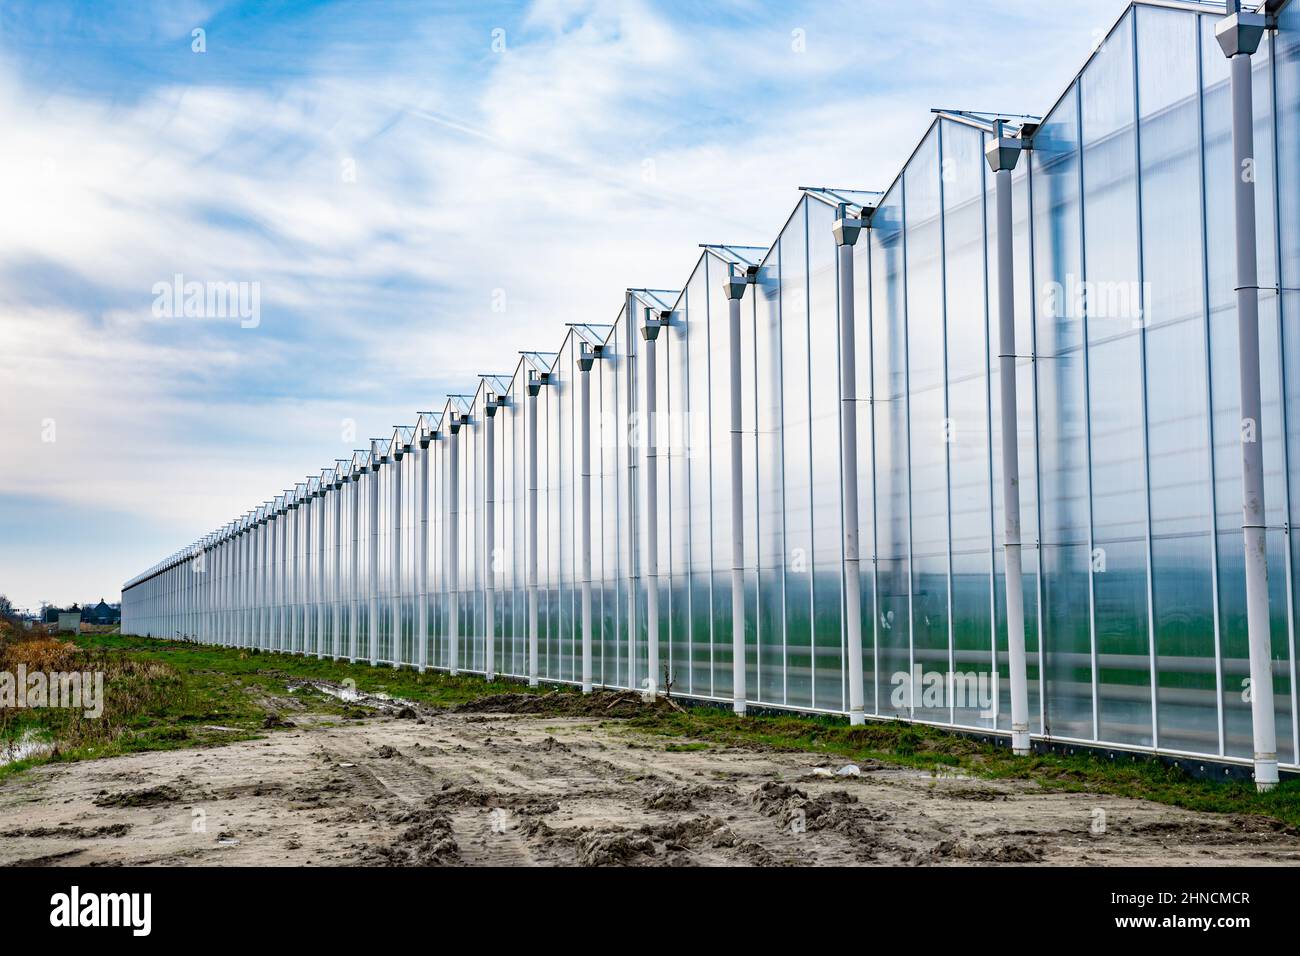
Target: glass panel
[
  {"x": 679, "y": 494},
  {"x": 930, "y": 430},
  {"x": 633, "y": 493},
  {"x": 564, "y": 394},
  {"x": 1063, "y": 463},
  {"x": 1287, "y": 56},
  {"x": 967, "y": 433},
  {"x": 829, "y": 690},
  {"x": 1114, "y": 369},
  {"x": 771, "y": 481},
  {"x": 719, "y": 428},
  {"x": 797, "y": 464},
  {"x": 889, "y": 410},
  {"x": 866, "y": 462},
  {"x": 696, "y": 309},
  {"x": 473, "y": 567},
  {"x": 1177, "y": 389},
  {"x": 519, "y": 523},
  {"x": 550, "y": 437},
  {"x": 613, "y": 450}
]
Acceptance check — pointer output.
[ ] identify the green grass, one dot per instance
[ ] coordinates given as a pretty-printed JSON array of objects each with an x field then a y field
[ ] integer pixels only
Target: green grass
[
  {"x": 203, "y": 695},
  {"x": 200, "y": 687},
  {"x": 211, "y": 668},
  {"x": 929, "y": 748}
]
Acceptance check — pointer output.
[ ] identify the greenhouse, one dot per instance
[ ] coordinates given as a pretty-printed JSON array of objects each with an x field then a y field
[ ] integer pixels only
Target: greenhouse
[{"x": 787, "y": 483}]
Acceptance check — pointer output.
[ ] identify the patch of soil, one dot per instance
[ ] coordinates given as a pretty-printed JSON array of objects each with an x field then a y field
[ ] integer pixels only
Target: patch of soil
[
  {"x": 970, "y": 793},
  {"x": 677, "y": 843},
  {"x": 836, "y": 811},
  {"x": 427, "y": 840},
  {"x": 678, "y": 799},
  {"x": 455, "y": 797},
  {"x": 971, "y": 851},
  {"x": 612, "y": 848},
  {"x": 70, "y": 832},
  {"x": 686, "y": 836},
  {"x": 554, "y": 790},
  {"x": 562, "y": 704},
  {"x": 148, "y": 797}
]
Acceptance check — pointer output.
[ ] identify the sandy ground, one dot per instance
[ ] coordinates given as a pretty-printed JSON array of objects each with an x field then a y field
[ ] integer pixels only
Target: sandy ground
[{"x": 501, "y": 789}]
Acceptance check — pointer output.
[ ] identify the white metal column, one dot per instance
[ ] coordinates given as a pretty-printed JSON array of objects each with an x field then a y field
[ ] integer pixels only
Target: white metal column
[
  {"x": 735, "y": 288},
  {"x": 241, "y": 585},
  {"x": 1003, "y": 153},
  {"x": 227, "y": 584},
  {"x": 291, "y": 571},
  {"x": 232, "y": 550},
  {"x": 373, "y": 628},
  {"x": 322, "y": 591},
  {"x": 453, "y": 550},
  {"x": 650, "y": 332},
  {"x": 273, "y": 577},
  {"x": 585, "y": 360},
  {"x": 1239, "y": 35},
  {"x": 354, "y": 576},
  {"x": 264, "y": 581},
  {"x": 395, "y": 572},
  {"x": 284, "y": 521},
  {"x": 246, "y": 583},
  {"x": 336, "y": 594},
  {"x": 535, "y": 383},
  {"x": 846, "y": 231},
  {"x": 489, "y": 530},
  {"x": 309, "y": 637},
  {"x": 422, "y": 554},
  {"x": 259, "y": 581}
]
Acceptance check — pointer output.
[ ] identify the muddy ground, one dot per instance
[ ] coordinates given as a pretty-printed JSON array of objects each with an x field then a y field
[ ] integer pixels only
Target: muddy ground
[{"x": 524, "y": 788}]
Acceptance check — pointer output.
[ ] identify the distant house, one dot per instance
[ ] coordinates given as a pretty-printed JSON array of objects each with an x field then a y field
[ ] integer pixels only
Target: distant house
[
  {"x": 70, "y": 622},
  {"x": 102, "y": 613}
]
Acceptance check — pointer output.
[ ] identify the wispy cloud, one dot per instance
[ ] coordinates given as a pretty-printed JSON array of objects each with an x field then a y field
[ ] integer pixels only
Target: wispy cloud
[{"x": 380, "y": 175}]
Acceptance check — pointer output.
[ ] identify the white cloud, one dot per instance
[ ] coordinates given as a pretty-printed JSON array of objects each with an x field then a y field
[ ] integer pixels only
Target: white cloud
[{"x": 530, "y": 177}]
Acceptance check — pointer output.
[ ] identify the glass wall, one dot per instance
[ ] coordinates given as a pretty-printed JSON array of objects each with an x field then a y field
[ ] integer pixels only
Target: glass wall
[
  {"x": 1179, "y": 431},
  {"x": 967, "y": 426},
  {"x": 769, "y": 474},
  {"x": 1129, "y": 441}
]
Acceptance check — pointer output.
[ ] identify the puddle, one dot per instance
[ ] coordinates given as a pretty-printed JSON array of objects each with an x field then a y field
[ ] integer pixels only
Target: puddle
[
  {"x": 940, "y": 772},
  {"x": 30, "y": 744},
  {"x": 350, "y": 695}
]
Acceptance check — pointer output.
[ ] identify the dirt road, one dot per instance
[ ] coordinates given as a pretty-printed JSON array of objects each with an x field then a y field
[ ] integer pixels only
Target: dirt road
[{"x": 490, "y": 789}]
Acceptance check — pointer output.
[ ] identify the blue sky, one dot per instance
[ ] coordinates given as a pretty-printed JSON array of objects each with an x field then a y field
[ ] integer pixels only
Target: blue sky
[{"x": 383, "y": 171}]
